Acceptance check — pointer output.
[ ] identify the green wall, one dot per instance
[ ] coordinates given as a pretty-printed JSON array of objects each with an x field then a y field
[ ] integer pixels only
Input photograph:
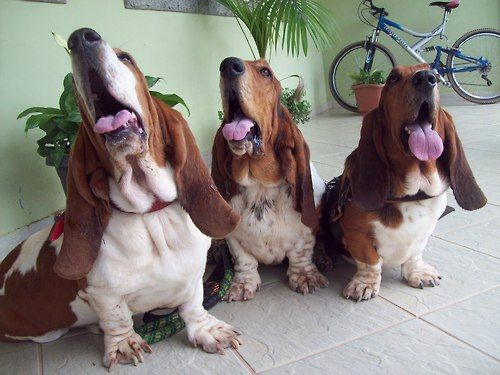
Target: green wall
[
  {"x": 185, "y": 49},
  {"x": 414, "y": 14}
]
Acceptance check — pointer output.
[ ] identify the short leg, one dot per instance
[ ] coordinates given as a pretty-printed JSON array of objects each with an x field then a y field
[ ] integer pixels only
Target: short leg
[
  {"x": 303, "y": 276},
  {"x": 418, "y": 274},
  {"x": 204, "y": 329},
  {"x": 366, "y": 282},
  {"x": 246, "y": 280},
  {"x": 121, "y": 343}
]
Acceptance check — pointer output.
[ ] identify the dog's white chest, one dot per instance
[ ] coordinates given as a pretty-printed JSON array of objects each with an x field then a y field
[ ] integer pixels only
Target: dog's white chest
[
  {"x": 397, "y": 245},
  {"x": 270, "y": 226},
  {"x": 153, "y": 260}
]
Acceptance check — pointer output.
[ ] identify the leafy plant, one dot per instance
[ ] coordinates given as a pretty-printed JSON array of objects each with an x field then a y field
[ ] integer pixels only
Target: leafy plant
[
  {"x": 294, "y": 21},
  {"x": 299, "y": 108},
  {"x": 375, "y": 77},
  {"x": 61, "y": 124}
]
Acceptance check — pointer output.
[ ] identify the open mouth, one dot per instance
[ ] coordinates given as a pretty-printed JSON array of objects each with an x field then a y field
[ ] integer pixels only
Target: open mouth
[
  {"x": 112, "y": 119},
  {"x": 239, "y": 127},
  {"x": 422, "y": 140}
]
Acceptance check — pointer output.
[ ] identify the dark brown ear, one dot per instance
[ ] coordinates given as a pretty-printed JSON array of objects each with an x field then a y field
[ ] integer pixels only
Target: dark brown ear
[
  {"x": 467, "y": 193},
  {"x": 369, "y": 172},
  {"x": 195, "y": 188},
  {"x": 221, "y": 164},
  {"x": 87, "y": 210},
  {"x": 293, "y": 155}
]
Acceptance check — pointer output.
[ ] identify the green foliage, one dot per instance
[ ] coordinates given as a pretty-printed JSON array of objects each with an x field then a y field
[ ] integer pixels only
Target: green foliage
[
  {"x": 300, "y": 110},
  {"x": 375, "y": 77},
  {"x": 220, "y": 114},
  {"x": 61, "y": 124},
  {"x": 294, "y": 21}
]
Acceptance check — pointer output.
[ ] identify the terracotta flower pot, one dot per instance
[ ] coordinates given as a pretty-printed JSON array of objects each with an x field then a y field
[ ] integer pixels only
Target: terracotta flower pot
[{"x": 367, "y": 96}]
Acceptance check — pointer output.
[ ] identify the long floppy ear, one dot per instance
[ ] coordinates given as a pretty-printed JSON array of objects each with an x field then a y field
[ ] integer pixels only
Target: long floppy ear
[
  {"x": 196, "y": 190},
  {"x": 467, "y": 193},
  {"x": 221, "y": 164},
  {"x": 87, "y": 210},
  {"x": 293, "y": 155},
  {"x": 369, "y": 174}
]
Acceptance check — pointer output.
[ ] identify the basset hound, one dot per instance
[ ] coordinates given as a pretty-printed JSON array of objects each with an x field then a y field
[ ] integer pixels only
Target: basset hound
[
  {"x": 396, "y": 180},
  {"x": 260, "y": 163},
  {"x": 141, "y": 208}
]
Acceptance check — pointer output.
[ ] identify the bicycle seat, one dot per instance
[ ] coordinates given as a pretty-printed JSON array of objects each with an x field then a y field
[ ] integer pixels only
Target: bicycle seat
[{"x": 448, "y": 5}]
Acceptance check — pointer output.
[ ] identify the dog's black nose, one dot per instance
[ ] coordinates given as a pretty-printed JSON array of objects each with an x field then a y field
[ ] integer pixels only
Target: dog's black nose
[
  {"x": 424, "y": 80},
  {"x": 232, "y": 67},
  {"x": 83, "y": 37}
]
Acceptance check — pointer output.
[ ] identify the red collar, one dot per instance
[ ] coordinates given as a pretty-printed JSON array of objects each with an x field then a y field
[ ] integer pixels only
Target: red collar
[
  {"x": 157, "y": 205},
  {"x": 58, "y": 227}
]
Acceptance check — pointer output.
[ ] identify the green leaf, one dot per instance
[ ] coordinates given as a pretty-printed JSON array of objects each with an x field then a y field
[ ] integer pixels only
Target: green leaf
[
  {"x": 151, "y": 81},
  {"x": 61, "y": 41},
  {"x": 56, "y": 155},
  {"x": 43, "y": 150},
  {"x": 42, "y": 110},
  {"x": 36, "y": 121},
  {"x": 170, "y": 99},
  {"x": 67, "y": 126}
]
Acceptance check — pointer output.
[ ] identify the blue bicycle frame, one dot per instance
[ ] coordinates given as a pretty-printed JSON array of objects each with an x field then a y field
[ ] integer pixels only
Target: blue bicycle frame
[{"x": 438, "y": 67}]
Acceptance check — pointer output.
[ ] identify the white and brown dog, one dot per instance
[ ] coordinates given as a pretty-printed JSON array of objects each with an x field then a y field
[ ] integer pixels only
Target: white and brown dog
[
  {"x": 140, "y": 209},
  {"x": 261, "y": 166},
  {"x": 408, "y": 156}
]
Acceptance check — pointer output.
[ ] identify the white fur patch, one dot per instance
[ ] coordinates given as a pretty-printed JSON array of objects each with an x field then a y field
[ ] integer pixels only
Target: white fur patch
[
  {"x": 318, "y": 184},
  {"x": 27, "y": 258}
]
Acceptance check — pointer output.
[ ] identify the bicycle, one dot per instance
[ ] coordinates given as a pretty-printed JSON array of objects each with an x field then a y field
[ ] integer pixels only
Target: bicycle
[{"x": 465, "y": 71}]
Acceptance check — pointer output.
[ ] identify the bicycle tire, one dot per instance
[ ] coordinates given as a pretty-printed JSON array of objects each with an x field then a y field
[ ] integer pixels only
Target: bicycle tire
[
  {"x": 450, "y": 62},
  {"x": 340, "y": 56}
]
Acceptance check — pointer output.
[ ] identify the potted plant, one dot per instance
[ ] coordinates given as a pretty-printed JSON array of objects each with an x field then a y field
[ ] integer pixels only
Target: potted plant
[
  {"x": 61, "y": 124},
  {"x": 295, "y": 22},
  {"x": 367, "y": 87}
]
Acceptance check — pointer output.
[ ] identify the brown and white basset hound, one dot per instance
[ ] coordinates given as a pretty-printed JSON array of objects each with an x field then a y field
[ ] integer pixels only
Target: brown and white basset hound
[
  {"x": 408, "y": 156},
  {"x": 260, "y": 163},
  {"x": 141, "y": 208}
]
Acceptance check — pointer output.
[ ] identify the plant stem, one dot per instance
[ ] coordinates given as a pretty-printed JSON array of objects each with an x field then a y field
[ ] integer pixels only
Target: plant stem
[{"x": 245, "y": 35}]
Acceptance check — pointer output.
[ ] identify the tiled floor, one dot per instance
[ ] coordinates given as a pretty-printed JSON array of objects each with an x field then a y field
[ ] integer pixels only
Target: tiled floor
[{"x": 453, "y": 328}]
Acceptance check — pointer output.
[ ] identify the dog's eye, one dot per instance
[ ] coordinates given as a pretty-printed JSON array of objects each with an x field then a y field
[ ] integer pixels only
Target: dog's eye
[
  {"x": 265, "y": 72},
  {"x": 393, "y": 78},
  {"x": 125, "y": 58}
]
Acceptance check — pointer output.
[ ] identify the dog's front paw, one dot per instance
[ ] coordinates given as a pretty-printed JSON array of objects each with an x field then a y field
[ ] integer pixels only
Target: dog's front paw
[
  {"x": 306, "y": 282},
  {"x": 361, "y": 289},
  {"x": 128, "y": 350},
  {"x": 420, "y": 275},
  {"x": 241, "y": 291},
  {"x": 214, "y": 335}
]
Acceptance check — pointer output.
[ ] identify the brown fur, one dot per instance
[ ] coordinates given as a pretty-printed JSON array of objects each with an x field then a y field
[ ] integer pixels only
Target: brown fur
[
  {"x": 376, "y": 168},
  {"x": 285, "y": 155}
]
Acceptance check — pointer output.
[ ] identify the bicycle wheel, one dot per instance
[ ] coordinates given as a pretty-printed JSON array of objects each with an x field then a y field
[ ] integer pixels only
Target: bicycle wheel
[
  {"x": 350, "y": 60},
  {"x": 482, "y": 84}
]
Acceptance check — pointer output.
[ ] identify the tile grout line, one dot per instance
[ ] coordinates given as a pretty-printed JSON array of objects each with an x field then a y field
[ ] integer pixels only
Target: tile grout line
[
  {"x": 243, "y": 361},
  {"x": 468, "y": 248},
  {"x": 467, "y": 225},
  {"x": 342, "y": 343},
  {"x": 39, "y": 357},
  {"x": 459, "y": 339}
]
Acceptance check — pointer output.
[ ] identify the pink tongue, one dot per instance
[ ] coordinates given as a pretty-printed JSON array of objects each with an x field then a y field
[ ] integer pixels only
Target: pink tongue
[
  {"x": 425, "y": 143},
  {"x": 237, "y": 129},
  {"x": 110, "y": 123}
]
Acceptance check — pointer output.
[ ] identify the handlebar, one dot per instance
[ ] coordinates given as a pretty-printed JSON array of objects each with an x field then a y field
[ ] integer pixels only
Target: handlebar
[{"x": 375, "y": 10}]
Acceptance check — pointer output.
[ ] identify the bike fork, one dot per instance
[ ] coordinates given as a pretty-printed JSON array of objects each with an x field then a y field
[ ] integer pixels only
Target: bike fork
[{"x": 370, "y": 50}]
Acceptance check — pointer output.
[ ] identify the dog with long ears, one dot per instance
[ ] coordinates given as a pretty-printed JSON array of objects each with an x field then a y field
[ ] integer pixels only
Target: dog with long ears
[
  {"x": 141, "y": 208},
  {"x": 408, "y": 156},
  {"x": 260, "y": 163}
]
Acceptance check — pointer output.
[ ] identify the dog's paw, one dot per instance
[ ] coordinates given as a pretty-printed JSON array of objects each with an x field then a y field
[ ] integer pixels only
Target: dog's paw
[
  {"x": 128, "y": 350},
  {"x": 214, "y": 336},
  {"x": 241, "y": 291},
  {"x": 361, "y": 290},
  {"x": 307, "y": 282},
  {"x": 421, "y": 275}
]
